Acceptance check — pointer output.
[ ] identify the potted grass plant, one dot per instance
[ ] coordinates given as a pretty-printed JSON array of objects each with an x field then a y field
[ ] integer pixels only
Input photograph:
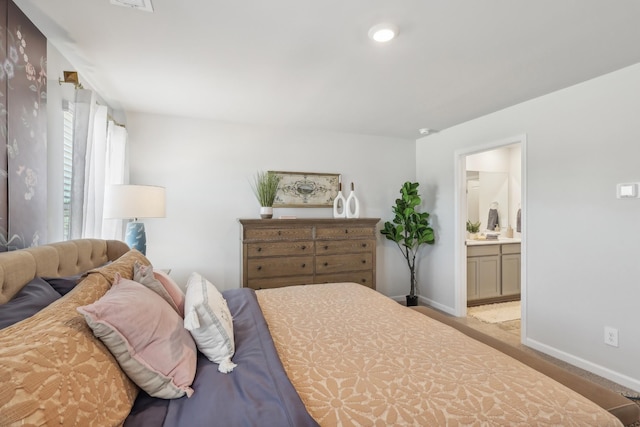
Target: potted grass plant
[
  {"x": 409, "y": 230},
  {"x": 473, "y": 228},
  {"x": 265, "y": 187}
]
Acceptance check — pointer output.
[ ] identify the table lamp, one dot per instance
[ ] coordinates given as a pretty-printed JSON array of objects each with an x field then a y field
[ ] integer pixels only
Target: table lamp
[{"x": 125, "y": 201}]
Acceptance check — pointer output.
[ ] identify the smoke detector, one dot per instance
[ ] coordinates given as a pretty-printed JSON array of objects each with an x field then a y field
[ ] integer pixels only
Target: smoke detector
[{"x": 135, "y": 4}]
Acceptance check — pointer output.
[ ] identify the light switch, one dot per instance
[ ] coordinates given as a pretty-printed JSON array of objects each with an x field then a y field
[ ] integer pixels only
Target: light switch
[{"x": 627, "y": 190}]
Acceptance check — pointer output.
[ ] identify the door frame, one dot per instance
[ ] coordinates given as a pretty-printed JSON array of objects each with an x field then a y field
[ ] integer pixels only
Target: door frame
[{"x": 460, "y": 230}]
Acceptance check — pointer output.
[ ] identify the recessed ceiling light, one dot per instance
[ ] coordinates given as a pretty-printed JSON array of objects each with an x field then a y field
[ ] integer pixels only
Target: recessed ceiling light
[
  {"x": 383, "y": 33},
  {"x": 135, "y": 4}
]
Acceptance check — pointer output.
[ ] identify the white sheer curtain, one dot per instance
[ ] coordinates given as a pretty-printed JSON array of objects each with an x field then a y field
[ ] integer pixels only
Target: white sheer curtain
[
  {"x": 117, "y": 172},
  {"x": 99, "y": 158},
  {"x": 83, "y": 120},
  {"x": 95, "y": 175}
]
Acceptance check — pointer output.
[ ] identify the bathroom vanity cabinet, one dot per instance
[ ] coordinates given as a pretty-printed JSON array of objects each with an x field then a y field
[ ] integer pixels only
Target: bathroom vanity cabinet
[{"x": 493, "y": 272}]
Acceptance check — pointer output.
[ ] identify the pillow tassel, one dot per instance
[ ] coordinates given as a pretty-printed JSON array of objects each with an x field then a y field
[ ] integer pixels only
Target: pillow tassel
[
  {"x": 191, "y": 320},
  {"x": 226, "y": 365}
]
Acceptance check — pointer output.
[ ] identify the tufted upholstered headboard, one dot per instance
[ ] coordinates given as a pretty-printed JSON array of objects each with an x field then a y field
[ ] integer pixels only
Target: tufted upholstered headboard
[{"x": 17, "y": 268}]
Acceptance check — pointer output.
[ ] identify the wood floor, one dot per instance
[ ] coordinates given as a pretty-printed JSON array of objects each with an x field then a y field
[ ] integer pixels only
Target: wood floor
[{"x": 509, "y": 332}]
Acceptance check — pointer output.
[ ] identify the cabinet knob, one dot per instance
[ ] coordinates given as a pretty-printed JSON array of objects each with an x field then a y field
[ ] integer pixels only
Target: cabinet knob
[
  {"x": 259, "y": 267},
  {"x": 326, "y": 247},
  {"x": 303, "y": 247},
  {"x": 279, "y": 233},
  {"x": 259, "y": 249},
  {"x": 346, "y": 231},
  {"x": 364, "y": 280},
  {"x": 304, "y": 265},
  {"x": 364, "y": 261},
  {"x": 364, "y": 245},
  {"x": 326, "y": 264}
]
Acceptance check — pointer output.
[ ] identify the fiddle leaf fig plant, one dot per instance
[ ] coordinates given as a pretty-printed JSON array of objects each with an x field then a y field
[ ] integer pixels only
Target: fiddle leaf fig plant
[{"x": 409, "y": 229}]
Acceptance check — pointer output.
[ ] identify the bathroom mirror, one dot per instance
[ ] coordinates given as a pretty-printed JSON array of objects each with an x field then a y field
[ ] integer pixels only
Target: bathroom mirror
[{"x": 483, "y": 189}]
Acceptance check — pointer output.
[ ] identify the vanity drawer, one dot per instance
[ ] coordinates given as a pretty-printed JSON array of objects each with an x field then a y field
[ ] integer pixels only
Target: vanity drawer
[
  {"x": 281, "y": 233},
  {"x": 511, "y": 248},
  {"x": 483, "y": 250},
  {"x": 331, "y": 247},
  {"x": 279, "y": 267},
  {"x": 264, "y": 249}
]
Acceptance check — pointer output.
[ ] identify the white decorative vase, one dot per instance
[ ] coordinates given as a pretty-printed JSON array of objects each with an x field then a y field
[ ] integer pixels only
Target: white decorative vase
[
  {"x": 353, "y": 205},
  {"x": 266, "y": 212},
  {"x": 339, "y": 204}
]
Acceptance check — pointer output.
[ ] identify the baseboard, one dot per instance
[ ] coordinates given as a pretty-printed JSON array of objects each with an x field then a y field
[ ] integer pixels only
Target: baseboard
[
  {"x": 426, "y": 301},
  {"x": 436, "y": 305},
  {"x": 607, "y": 373}
]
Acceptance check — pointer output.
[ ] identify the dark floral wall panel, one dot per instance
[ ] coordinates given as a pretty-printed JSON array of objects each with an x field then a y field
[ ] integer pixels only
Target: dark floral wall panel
[
  {"x": 24, "y": 73},
  {"x": 4, "y": 189}
]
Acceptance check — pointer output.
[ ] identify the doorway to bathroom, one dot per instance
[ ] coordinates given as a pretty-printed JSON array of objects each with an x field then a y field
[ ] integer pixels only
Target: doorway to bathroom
[{"x": 490, "y": 214}]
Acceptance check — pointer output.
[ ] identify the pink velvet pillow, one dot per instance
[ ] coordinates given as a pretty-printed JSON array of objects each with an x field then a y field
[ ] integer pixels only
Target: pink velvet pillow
[
  {"x": 147, "y": 338},
  {"x": 172, "y": 289}
]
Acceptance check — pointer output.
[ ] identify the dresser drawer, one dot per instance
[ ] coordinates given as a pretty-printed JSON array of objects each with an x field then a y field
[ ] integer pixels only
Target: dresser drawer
[
  {"x": 364, "y": 277},
  {"x": 278, "y": 282},
  {"x": 344, "y": 232},
  {"x": 331, "y": 247},
  {"x": 281, "y": 233},
  {"x": 342, "y": 263},
  {"x": 263, "y": 249},
  {"x": 279, "y": 267}
]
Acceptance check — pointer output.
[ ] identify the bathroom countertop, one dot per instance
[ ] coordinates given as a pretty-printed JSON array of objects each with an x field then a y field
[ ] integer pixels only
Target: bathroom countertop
[{"x": 501, "y": 240}]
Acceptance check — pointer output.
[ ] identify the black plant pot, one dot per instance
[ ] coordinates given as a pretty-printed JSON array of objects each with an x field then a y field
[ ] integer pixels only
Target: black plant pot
[{"x": 412, "y": 301}]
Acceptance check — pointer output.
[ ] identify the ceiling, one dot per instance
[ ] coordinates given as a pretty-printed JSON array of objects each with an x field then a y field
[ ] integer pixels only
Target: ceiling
[{"x": 310, "y": 64}]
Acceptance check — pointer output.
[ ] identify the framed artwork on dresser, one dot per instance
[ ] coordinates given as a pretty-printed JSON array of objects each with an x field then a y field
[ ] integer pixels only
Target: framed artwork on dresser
[{"x": 306, "y": 189}]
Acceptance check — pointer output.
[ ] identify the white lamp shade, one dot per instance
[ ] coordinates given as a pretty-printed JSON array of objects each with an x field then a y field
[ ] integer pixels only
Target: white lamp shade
[{"x": 134, "y": 201}]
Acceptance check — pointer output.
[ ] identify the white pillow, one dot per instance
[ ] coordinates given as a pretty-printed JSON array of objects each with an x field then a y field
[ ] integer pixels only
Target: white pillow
[{"x": 208, "y": 319}]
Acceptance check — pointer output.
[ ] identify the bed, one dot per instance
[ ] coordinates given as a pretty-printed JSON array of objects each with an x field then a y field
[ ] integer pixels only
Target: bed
[{"x": 327, "y": 354}]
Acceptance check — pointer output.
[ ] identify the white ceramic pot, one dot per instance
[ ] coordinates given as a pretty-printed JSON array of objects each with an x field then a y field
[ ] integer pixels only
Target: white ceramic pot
[{"x": 266, "y": 212}]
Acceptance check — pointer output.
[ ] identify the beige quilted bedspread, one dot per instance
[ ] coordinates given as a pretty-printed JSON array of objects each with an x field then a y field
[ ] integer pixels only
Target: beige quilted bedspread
[{"x": 358, "y": 358}]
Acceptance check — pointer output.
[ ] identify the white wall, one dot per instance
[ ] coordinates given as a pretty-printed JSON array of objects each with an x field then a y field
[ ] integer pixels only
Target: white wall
[
  {"x": 581, "y": 243},
  {"x": 207, "y": 167}
]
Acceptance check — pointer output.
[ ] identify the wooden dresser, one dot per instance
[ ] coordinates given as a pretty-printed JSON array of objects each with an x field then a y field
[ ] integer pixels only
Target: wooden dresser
[{"x": 286, "y": 252}]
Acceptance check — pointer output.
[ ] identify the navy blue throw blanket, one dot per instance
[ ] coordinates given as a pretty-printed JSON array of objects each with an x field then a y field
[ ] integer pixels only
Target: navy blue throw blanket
[{"x": 257, "y": 392}]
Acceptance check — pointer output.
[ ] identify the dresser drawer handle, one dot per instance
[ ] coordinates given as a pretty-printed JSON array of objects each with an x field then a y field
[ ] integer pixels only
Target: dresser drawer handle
[
  {"x": 303, "y": 247},
  {"x": 364, "y": 245},
  {"x": 326, "y": 247},
  {"x": 279, "y": 233},
  {"x": 326, "y": 264},
  {"x": 259, "y": 249},
  {"x": 259, "y": 267},
  {"x": 364, "y": 261},
  {"x": 346, "y": 231},
  {"x": 304, "y": 265},
  {"x": 364, "y": 280}
]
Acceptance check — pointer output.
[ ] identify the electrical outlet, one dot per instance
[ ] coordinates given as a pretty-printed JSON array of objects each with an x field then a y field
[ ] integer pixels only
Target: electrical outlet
[{"x": 611, "y": 336}]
